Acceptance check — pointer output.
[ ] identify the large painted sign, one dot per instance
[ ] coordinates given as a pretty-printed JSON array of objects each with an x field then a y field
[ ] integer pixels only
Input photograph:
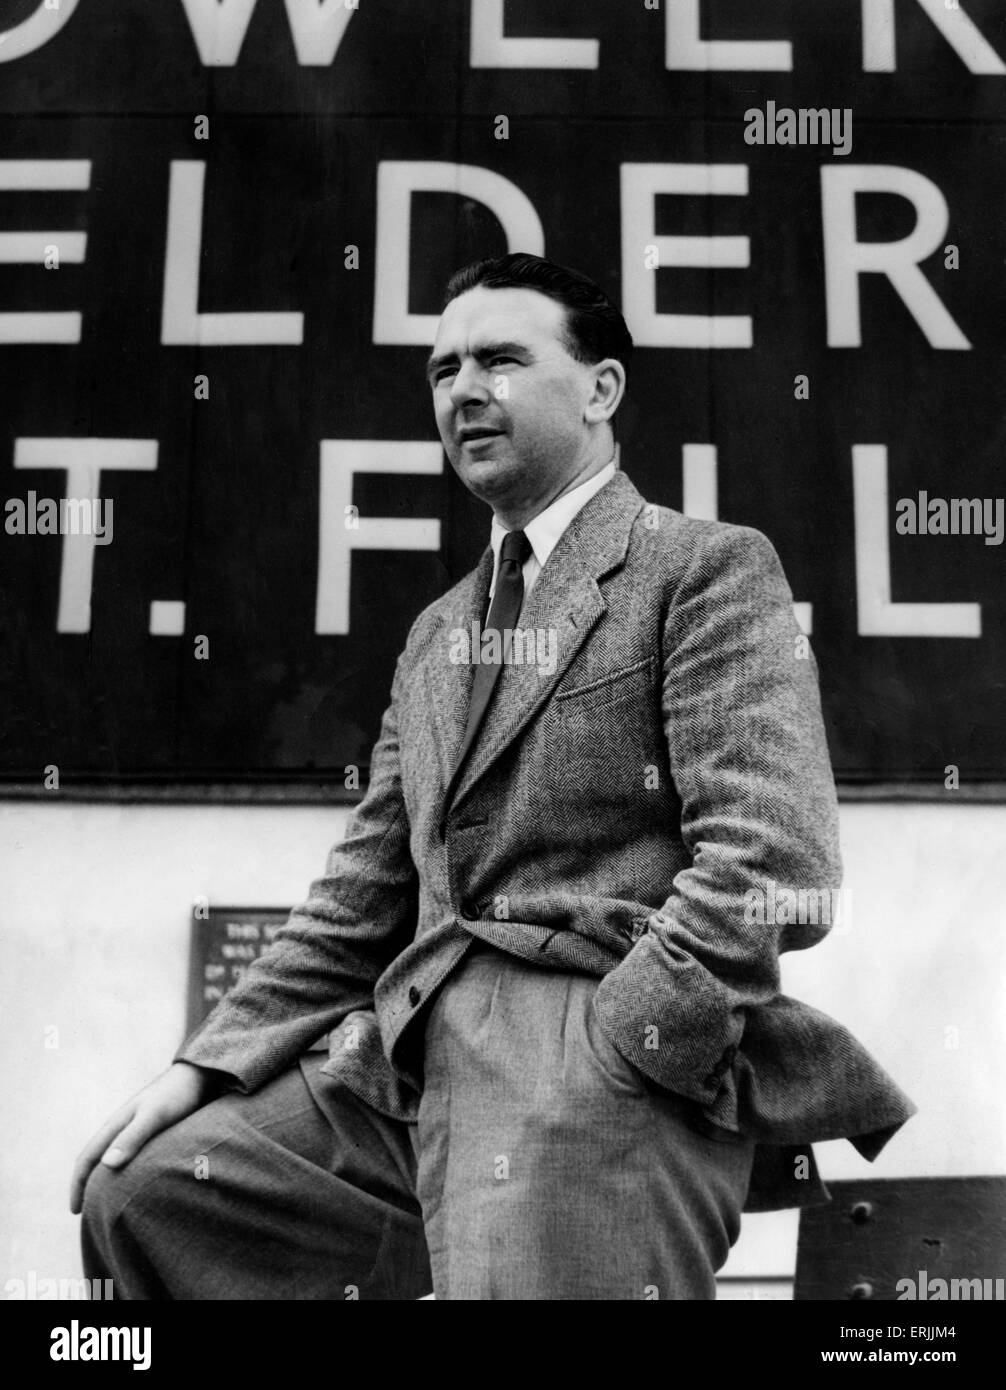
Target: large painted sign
[{"x": 224, "y": 229}]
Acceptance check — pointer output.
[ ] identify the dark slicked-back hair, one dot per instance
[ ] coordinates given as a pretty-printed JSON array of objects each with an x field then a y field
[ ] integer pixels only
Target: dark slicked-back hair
[{"x": 595, "y": 328}]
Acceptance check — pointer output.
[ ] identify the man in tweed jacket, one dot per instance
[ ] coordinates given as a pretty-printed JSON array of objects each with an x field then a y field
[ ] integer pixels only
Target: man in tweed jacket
[{"x": 549, "y": 969}]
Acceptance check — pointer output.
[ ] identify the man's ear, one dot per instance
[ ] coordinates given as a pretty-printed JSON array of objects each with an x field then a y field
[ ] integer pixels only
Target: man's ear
[{"x": 609, "y": 388}]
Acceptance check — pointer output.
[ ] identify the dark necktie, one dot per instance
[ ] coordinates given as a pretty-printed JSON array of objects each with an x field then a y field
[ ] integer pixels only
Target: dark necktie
[{"x": 503, "y": 613}]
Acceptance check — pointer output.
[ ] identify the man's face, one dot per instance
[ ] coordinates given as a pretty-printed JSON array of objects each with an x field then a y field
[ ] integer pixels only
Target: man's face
[{"x": 508, "y": 396}]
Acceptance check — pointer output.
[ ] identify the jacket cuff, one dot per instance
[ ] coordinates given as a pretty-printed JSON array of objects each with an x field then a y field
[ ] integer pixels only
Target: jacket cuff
[{"x": 671, "y": 1018}]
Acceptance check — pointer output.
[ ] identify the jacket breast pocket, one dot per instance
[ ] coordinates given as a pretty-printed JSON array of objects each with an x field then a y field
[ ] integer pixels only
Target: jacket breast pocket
[
  {"x": 611, "y": 716},
  {"x": 604, "y": 733},
  {"x": 584, "y": 691}
]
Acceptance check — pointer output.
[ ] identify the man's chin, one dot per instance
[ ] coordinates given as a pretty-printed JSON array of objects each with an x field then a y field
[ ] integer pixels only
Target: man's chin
[{"x": 487, "y": 474}]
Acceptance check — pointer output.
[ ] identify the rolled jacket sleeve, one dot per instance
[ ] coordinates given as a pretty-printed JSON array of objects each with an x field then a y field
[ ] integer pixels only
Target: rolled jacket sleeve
[{"x": 749, "y": 760}]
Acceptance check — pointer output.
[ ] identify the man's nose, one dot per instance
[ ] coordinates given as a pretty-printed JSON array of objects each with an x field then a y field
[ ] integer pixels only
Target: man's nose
[{"x": 470, "y": 384}]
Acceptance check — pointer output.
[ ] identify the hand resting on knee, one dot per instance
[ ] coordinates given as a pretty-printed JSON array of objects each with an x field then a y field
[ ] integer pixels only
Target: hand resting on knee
[{"x": 176, "y": 1093}]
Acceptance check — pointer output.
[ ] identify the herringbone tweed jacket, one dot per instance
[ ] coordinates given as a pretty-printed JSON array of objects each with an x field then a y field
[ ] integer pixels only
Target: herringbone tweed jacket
[{"x": 624, "y": 814}]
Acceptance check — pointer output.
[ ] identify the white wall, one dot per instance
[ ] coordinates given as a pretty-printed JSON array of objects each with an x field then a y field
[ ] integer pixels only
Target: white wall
[{"x": 94, "y": 939}]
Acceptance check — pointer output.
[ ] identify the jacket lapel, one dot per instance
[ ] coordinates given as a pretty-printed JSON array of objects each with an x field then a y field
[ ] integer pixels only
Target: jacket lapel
[
  {"x": 565, "y": 599},
  {"x": 447, "y": 687}
]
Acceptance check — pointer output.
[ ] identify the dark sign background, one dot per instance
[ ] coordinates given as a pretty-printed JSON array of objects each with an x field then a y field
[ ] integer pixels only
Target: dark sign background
[{"x": 228, "y": 522}]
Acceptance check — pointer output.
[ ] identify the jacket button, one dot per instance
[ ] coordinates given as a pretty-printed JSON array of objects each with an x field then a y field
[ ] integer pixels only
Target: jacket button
[
  {"x": 469, "y": 910},
  {"x": 414, "y": 995}
]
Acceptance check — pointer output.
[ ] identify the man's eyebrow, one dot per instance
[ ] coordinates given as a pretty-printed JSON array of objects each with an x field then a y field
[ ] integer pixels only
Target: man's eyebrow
[
  {"x": 433, "y": 363},
  {"x": 499, "y": 349},
  {"x": 487, "y": 350}
]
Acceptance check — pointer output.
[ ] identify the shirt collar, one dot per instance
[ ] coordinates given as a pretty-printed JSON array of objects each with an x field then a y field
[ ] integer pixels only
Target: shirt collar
[{"x": 545, "y": 530}]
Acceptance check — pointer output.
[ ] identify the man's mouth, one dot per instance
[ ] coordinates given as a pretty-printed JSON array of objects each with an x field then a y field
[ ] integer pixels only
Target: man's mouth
[{"x": 473, "y": 433}]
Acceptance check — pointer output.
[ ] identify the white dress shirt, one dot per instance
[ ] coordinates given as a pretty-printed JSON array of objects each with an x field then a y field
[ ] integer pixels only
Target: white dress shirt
[{"x": 544, "y": 530}]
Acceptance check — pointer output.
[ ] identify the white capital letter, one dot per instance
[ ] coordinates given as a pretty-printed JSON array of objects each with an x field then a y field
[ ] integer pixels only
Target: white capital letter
[
  {"x": 35, "y": 31},
  {"x": 845, "y": 258},
  {"x": 21, "y": 176},
  {"x": 490, "y": 48},
  {"x": 699, "y": 492},
  {"x": 397, "y": 180},
  {"x": 317, "y": 29},
  {"x": 878, "y": 616},
  {"x": 181, "y": 321},
  {"x": 879, "y": 47},
  {"x": 686, "y": 51},
  {"x": 219, "y": 28},
  {"x": 340, "y": 460},
  {"x": 640, "y": 185},
  {"x": 83, "y": 461}
]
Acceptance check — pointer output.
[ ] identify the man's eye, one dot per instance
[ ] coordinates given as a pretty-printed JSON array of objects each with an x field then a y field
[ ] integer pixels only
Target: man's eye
[
  {"x": 443, "y": 373},
  {"x": 494, "y": 360}
]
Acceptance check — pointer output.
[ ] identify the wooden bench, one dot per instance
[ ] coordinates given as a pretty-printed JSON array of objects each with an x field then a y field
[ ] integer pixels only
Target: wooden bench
[{"x": 900, "y": 1238}]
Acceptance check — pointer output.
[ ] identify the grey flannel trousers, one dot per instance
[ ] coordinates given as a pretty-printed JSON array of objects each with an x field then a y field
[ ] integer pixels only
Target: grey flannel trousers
[{"x": 543, "y": 1166}]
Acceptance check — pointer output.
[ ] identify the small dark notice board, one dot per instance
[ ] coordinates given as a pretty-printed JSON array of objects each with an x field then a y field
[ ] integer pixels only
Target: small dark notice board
[{"x": 225, "y": 941}]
